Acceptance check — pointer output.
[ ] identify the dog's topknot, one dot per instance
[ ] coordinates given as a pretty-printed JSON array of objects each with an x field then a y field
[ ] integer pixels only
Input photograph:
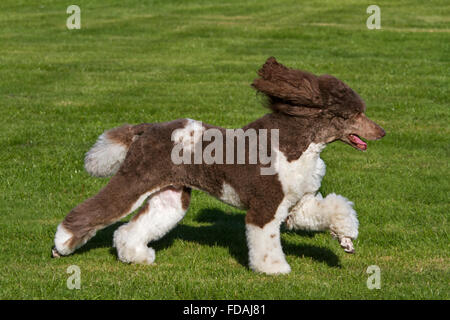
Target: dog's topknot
[
  {"x": 301, "y": 93},
  {"x": 283, "y": 85}
]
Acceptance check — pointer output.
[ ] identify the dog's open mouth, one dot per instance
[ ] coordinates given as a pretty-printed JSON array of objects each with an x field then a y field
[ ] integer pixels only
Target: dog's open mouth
[{"x": 356, "y": 142}]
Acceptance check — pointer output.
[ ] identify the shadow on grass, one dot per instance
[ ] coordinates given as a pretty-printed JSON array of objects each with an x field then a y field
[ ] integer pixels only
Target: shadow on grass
[{"x": 226, "y": 230}]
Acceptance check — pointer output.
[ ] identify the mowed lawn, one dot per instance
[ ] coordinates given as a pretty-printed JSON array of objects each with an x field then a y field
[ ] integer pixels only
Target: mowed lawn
[{"x": 133, "y": 62}]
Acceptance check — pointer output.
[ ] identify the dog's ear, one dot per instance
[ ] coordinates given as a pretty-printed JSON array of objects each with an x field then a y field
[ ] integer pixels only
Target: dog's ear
[
  {"x": 291, "y": 86},
  {"x": 297, "y": 111}
]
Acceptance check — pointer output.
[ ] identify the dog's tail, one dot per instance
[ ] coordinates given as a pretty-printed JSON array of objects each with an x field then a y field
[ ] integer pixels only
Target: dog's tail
[{"x": 106, "y": 156}]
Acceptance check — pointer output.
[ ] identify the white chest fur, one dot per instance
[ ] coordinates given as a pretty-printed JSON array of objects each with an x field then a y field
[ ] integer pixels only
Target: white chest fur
[{"x": 303, "y": 175}]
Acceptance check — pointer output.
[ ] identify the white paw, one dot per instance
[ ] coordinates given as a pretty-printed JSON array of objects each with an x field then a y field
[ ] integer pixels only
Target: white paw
[
  {"x": 283, "y": 268},
  {"x": 272, "y": 267},
  {"x": 347, "y": 244},
  {"x": 62, "y": 238},
  {"x": 139, "y": 255},
  {"x": 55, "y": 253},
  {"x": 146, "y": 256}
]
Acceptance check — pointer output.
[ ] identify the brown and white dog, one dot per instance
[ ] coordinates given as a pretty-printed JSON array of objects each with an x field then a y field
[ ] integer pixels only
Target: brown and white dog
[{"x": 309, "y": 112}]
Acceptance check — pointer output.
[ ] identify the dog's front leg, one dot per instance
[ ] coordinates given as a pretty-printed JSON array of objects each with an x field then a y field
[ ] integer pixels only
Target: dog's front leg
[
  {"x": 264, "y": 244},
  {"x": 334, "y": 213}
]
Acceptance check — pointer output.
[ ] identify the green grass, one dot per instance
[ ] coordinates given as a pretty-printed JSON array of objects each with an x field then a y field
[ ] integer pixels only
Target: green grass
[{"x": 133, "y": 62}]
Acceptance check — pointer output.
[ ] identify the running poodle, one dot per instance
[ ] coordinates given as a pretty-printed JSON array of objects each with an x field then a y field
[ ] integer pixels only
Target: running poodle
[{"x": 308, "y": 112}]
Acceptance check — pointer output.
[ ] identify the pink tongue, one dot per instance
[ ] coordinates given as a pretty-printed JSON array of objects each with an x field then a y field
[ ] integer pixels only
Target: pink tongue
[{"x": 358, "y": 141}]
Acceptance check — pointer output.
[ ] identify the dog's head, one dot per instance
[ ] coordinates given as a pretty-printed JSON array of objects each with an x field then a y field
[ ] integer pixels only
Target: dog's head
[{"x": 329, "y": 100}]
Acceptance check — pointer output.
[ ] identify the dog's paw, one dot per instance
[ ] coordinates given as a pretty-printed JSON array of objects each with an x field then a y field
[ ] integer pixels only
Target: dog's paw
[
  {"x": 147, "y": 256},
  {"x": 345, "y": 242},
  {"x": 55, "y": 253},
  {"x": 63, "y": 238},
  {"x": 282, "y": 268},
  {"x": 139, "y": 255},
  {"x": 272, "y": 267}
]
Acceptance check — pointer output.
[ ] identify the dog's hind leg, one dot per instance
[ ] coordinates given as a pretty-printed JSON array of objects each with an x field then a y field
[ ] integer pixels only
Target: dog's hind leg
[
  {"x": 334, "y": 213},
  {"x": 122, "y": 195},
  {"x": 158, "y": 216}
]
